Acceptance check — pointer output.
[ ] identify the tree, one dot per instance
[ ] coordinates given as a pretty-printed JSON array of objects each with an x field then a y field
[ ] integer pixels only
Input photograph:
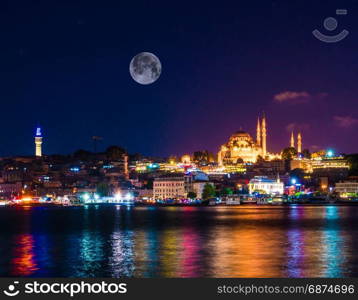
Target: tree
[
  {"x": 289, "y": 153},
  {"x": 115, "y": 153},
  {"x": 353, "y": 164},
  {"x": 149, "y": 184},
  {"x": 208, "y": 191},
  {"x": 226, "y": 191},
  {"x": 191, "y": 195},
  {"x": 102, "y": 189}
]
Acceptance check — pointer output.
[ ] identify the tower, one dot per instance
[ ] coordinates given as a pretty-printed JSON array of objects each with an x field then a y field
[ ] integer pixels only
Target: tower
[
  {"x": 38, "y": 142},
  {"x": 299, "y": 143},
  {"x": 292, "y": 144},
  {"x": 258, "y": 132},
  {"x": 220, "y": 160},
  {"x": 263, "y": 135},
  {"x": 126, "y": 166}
]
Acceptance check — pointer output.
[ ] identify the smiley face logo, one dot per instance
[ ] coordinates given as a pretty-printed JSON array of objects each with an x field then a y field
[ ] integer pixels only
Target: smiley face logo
[
  {"x": 11, "y": 292},
  {"x": 331, "y": 24}
]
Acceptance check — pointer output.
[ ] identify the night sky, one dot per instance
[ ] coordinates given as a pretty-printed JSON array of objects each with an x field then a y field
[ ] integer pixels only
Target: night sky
[{"x": 65, "y": 65}]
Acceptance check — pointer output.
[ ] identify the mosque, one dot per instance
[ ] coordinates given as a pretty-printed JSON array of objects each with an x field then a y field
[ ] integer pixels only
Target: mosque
[{"x": 241, "y": 147}]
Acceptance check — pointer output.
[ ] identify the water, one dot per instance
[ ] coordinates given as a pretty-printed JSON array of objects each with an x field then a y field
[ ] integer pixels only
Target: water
[{"x": 179, "y": 242}]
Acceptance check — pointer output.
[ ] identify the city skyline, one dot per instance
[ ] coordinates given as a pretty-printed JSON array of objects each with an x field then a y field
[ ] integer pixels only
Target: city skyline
[
  {"x": 295, "y": 141},
  {"x": 72, "y": 76}
]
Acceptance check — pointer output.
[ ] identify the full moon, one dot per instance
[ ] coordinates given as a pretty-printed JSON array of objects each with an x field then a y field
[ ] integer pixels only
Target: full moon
[{"x": 145, "y": 68}]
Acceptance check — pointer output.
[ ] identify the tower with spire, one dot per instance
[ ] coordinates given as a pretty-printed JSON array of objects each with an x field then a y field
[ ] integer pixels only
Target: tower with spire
[
  {"x": 258, "y": 132},
  {"x": 299, "y": 143},
  {"x": 292, "y": 142},
  {"x": 264, "y": 133},
  {"x": 38, "y": 142}
]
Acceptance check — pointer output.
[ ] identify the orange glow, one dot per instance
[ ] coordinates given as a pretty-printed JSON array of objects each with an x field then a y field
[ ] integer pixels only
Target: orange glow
[{"x": 23, "y": 263}]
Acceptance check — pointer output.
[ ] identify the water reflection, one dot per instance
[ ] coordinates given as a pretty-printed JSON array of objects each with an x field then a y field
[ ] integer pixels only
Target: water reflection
[
  {"x": 295, "y": 253},
  {"x": 334, "y": 245},
  {"x": 121, "y": 243},
  {"x": 247, "y": 241},
  {"x": 23, "y": 261},
  {"x": 246, "y": 250}
]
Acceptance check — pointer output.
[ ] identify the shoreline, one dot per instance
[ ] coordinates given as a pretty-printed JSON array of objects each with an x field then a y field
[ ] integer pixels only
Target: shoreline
[{"x": 266, "y": 205}]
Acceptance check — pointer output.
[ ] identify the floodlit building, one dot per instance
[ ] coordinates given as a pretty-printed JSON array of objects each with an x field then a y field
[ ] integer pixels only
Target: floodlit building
[
  {"x": 178, "y": 187},
  {"x": 266, "y": 185},
  {"x": 347, "y": 188},
  {"x": 169, "y": 188},
  {"x": 301, "y": 163},
  {"x": 241, "y": 147},
  {"x": 330, "y": 163}
]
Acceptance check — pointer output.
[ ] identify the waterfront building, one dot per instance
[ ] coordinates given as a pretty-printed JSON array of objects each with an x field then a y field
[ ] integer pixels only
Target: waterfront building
[
  {"x": 347, "y": 188},
  {"x": 8, "y": 190},
  {"x": 144, "y": 194},
  {"x": 169, "y": 188},
  {"x": 266, "y": 185},
  {"x": 178, "y": 186},
  {"x": 38, "y": 142}
]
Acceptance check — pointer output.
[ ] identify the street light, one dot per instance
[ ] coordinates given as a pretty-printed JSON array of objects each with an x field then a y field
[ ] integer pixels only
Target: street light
[
  {"x": 86, "y": 197},
  {"x": 118, "y": 197}
]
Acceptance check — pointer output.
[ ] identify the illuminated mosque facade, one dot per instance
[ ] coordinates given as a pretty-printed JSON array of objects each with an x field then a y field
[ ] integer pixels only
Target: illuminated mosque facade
[{"x": 241, "y": 147}]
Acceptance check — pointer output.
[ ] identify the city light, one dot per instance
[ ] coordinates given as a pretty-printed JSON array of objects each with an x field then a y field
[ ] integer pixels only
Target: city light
[
  {"x": 128, "y": 197},
  {"x": 330, "y": 153},
  {"x": 86, "y": 197},
  {"x": 118, "y": 197}
]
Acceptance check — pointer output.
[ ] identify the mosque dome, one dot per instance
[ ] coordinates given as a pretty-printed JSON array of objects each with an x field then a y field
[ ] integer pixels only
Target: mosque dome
[{"x": 240, "y": 133}]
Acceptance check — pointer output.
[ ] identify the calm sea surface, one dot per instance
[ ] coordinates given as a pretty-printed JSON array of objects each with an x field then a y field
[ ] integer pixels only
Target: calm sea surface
[{"x": 241, "y": 241}]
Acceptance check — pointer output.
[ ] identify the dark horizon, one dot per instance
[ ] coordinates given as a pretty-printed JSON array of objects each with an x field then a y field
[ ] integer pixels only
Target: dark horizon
[{"x": 65, "y": 66}]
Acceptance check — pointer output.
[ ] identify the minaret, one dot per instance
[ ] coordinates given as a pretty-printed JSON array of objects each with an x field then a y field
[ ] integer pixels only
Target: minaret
[
  {"x": 292, "y": 145},
  {"x": 263, "y": 136},
  {"x": 258, "y": 132},
  {"x": 220, "y": 160},
  {"x": 299, "y": 143},
  {"x": 38, "y": 142}
]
